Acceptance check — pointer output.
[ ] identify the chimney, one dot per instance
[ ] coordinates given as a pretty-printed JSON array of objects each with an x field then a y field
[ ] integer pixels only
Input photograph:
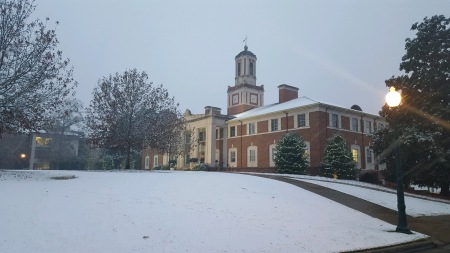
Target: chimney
[
  {"x": 211, "y": 110},
  {"x": 286, "y": 93}
]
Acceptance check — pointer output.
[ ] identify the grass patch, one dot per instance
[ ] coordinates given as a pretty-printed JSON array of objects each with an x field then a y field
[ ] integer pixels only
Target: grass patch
[{"x": 63, "y": 177}]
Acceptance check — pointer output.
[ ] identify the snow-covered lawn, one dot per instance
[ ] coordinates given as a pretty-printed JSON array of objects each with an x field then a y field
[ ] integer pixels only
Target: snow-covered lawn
[{"x": 176, "y": 212}]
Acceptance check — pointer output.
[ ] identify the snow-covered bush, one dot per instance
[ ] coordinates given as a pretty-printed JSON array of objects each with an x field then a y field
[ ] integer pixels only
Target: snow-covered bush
[
  {"x": 290, "y": 155},
  {"x": 338, "y": 159}
]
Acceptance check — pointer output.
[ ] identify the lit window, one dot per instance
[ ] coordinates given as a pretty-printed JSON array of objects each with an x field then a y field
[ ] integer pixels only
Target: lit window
[
  {"x": 301, "y": 120},
  {"x": 355, "y": 155},
  {"x": 355, "y": 125},
  {"x": 43, "y": 142},
  {"x": 274, "y": 125},
  {"x": 334, "y": 121},
  {"x": 251, "y": 128}
]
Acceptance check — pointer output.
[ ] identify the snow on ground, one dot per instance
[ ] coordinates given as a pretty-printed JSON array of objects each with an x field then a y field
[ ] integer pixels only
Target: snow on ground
[
  {"x": 176, "y": 212},
  {"x": 382, "y": 196}
]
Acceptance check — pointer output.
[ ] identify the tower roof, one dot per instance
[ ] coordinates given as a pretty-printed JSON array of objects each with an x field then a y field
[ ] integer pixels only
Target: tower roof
[{"x": 245, "y": 52}]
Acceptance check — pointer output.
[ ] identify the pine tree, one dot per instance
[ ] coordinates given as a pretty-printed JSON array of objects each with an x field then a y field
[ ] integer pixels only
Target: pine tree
[
  {"x": 290, "y": 156},
  {"x": 338, "y": 159}
]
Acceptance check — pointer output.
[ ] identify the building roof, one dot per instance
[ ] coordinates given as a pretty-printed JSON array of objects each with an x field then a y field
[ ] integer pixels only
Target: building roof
[
  {"x": 245, "y": 52},
  {"x": 288, "y": 105}
]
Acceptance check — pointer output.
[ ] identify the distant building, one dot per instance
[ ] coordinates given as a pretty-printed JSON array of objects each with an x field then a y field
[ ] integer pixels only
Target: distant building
[
  {"x": 40, "y": 151},
  {"x": 245, "y": 138}
]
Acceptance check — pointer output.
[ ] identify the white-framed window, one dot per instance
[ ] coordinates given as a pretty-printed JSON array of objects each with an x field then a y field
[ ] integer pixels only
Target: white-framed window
[
  {"x": 251, "y": 128},
  {"x": 369, "y": 155},
  {"x": 155, "y": 161},
  {"x": 334, "y": 120},
  {"x": 368, "y": 126},
  {"x": 252, "y": 153},
  {"x": 232, "y": 157},
  {"x": 301, "y": 120},
  {"x": 356, "y": 154},
  {"x": 273, "y": 125},
  {"x": 232, "y": 131},
  {"x": 147, "y": 162},
  {"x": 355, "y": 124},
  {"x": 272, "y": 155}
]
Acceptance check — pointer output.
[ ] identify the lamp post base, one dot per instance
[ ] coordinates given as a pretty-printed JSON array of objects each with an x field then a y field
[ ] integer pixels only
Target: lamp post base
[{"x": 404, "y": 230}]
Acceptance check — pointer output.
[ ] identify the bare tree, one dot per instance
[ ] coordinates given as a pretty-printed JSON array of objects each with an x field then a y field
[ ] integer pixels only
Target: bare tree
[
  {"x": 128, "y": 113},
  {"x": 34, "y": 77}
]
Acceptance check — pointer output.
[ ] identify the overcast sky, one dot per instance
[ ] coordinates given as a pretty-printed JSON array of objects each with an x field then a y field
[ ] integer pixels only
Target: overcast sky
[{"x": 337, "y": 52}]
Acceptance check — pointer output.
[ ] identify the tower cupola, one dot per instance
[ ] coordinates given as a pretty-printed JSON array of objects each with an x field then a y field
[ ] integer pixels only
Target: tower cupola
[
  {"x": 245, "y": 67},
  {"x": 245, "y": 94}
]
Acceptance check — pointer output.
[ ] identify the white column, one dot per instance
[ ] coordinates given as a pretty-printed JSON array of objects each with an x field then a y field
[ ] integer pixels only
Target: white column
[{"x": 210, "y": 156}]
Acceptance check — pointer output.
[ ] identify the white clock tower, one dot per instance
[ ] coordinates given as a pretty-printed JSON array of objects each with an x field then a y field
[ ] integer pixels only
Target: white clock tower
[{"x": 245, "y": 94}]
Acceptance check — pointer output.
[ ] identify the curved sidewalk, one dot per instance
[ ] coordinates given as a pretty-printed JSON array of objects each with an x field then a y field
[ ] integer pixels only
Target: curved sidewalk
[{"x": 437, "y": 227}]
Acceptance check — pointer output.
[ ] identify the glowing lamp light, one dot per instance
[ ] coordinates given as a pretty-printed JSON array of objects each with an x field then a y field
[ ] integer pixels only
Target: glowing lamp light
[
  {"x": 393, "y": 98},
  {"x": 23, "y": 156}
]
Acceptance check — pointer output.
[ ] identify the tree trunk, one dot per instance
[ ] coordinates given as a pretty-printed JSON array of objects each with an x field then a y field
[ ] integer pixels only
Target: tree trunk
[
  {"x": 127, "y": 161},
  {"x": 445, "y": 188}
]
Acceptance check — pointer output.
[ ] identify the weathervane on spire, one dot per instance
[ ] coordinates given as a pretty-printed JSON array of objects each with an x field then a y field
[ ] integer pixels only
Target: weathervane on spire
[{"x": 245, "y": 40}]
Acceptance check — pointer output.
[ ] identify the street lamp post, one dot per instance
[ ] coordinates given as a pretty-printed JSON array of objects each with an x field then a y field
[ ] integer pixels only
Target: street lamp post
[{"x": 393, "y": 99}]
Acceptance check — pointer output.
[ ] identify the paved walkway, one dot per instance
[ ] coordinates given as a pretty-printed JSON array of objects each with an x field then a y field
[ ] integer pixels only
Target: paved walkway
[{"x": 437, "y": 227}]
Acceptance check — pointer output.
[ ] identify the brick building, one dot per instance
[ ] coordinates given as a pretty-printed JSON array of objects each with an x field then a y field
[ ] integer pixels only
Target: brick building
[{"x": 245, "y": 137}]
